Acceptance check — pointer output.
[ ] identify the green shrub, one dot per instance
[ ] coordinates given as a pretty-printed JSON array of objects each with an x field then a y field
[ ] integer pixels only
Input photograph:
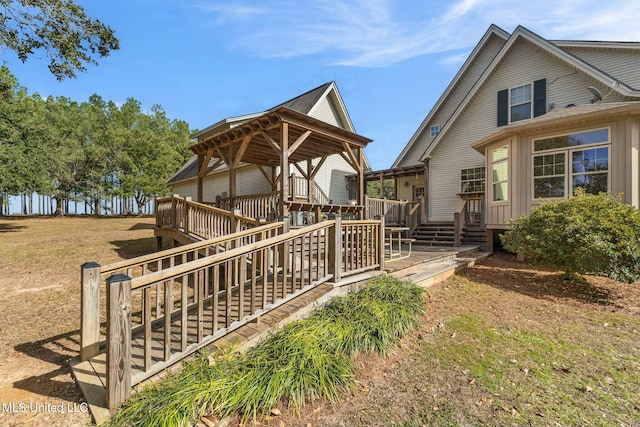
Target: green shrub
[{"x": 587, "y": 234}]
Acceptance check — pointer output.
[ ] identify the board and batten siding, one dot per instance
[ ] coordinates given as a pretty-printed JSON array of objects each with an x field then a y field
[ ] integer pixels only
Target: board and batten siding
[
  {"x": 621, "y": 64},
  {"x": 454, "y": 98},
  {"x": 624, "y": 167},
  {"x": 523, "y": 64}
]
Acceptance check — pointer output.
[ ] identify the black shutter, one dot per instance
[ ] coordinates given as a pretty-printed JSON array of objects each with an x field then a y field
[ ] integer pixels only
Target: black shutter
[
  {"x": 503, "y": 107},
  {"x": 539, "y": 97}
]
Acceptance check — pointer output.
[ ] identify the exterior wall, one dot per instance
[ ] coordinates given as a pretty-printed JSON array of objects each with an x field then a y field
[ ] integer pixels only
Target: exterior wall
[
  {"x": 471, "y": 76},
  {"x": 326, "y": 112},
  {"x": 249, "y": 181},
  {"x": 332, "y": 178},
  {"x": 622, "y": 64},
  {"x": 523, "y": 64},
  {"x": 624, "y": 167}
]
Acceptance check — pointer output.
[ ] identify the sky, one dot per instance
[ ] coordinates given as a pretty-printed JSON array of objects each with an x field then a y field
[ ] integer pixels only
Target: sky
[{"x": 204, "y": 60}]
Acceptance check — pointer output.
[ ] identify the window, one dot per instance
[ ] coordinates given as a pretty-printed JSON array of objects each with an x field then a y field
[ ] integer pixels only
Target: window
[
  {"x": 589, "y": 168},
  {"x": 520, "y": 103},
  {"x": 418, "y": 191},
  {"x": 500, "y": 173},
  {"x": 472, "y": 180},
  {"x": 435, "y": 130}
]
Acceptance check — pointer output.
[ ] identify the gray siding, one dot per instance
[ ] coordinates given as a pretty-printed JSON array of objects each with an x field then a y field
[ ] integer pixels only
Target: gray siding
[
  {"x": 622, "y": 64},
  {"x": 521, "y": 65}
]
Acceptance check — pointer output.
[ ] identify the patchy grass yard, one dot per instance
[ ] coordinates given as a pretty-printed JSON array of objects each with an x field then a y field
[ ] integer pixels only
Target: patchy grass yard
[
  {"x": 503, "y": 344},
  {"x": 40, "y": 261},
  {"x": 500, "y": 344}
]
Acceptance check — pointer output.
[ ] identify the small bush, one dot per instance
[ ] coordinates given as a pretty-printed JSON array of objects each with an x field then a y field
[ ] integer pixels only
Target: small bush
[{"x": 587, "y": 234}]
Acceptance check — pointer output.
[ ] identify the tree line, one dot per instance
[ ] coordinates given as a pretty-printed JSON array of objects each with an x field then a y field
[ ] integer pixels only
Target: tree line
[{"x": 85, "y": 151}]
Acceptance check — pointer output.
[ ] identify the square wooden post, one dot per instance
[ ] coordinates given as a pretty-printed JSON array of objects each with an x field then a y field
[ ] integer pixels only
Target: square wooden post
[
  {"x": 381, "y": 241},
  {"x": 118, "y": 340},
  {"x": 335, "y": 248},
  {"x": 90, "y": 310}
]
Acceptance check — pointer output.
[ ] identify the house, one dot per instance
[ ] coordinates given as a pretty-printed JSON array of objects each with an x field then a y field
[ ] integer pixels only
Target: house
[
  {"x": 330, "y": 186},
  {"x": 510, "y": 129}
]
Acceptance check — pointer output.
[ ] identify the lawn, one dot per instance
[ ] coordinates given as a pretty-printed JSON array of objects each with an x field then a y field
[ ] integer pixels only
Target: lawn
[
  {"x": 40, "y": 261},
  {"x": 499, "y": 344}
]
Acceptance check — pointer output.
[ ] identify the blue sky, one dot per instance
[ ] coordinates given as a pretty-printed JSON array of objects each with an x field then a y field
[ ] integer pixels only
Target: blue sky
[{"x": 204, "y": 60}]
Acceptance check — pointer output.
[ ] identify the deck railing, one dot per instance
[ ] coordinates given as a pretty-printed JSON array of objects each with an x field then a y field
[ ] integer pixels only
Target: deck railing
[
  {"x": 469, "y": 212},
  {"x": 265, "y": 205},
  {"x": 299, "y": 187},
  {"x": 198, "y": 219},
  {"x": 394, "y": 211},
  {"x": 194, "y": 295}
]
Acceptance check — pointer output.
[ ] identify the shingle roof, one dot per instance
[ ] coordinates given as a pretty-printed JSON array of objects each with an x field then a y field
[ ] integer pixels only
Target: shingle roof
[{"x": 303, "y": 103}]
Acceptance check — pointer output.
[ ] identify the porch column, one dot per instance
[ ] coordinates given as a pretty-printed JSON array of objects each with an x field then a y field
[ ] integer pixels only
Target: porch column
[
  {"x": 199, "y": 194},
  {"x": 284, "y": 168}
]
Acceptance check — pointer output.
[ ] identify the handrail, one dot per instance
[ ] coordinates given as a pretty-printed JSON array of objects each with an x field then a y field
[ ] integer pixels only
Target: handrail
[
  {"x": 459, "y": 221},
  {"x": 167, "y": 274},
  {"x": 168, "y": 253}
]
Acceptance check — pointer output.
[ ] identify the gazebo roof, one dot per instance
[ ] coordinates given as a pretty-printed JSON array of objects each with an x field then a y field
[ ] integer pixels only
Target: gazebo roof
[{"x": 258, "y": 140}]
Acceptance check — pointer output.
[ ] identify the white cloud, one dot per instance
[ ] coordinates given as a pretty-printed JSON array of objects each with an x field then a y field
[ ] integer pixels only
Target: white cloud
[{"x": 373, "y": 33}]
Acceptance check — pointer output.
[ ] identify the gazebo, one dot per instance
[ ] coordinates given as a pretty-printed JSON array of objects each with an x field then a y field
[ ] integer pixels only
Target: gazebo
[{"x": 276, "y": 142}]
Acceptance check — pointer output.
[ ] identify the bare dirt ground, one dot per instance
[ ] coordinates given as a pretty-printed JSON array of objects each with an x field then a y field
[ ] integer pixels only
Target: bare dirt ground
[
  {"x": 40, "y": 261},
  {"x": 419, "y": 383}
]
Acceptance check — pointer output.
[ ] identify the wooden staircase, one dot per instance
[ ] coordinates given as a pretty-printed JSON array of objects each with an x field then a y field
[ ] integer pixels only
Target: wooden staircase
[
  {"x": 435, "y": 234},
  {"x": 443, "y": 234}
]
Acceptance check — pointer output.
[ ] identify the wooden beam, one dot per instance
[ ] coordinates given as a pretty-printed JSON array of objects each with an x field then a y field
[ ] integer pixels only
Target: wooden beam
[
  {"x": 284, "y": 168},
  {"x": 298, "y": 142},
  {"x": 317, "y": 168},
  {"x": 266, "y": 175},
  {"x": 271, "y": 142},
  {"x": 353, "y": 160},
  {"x": 203, "y": 167},
  {"x": 306, "y": 176},
  {"x": 241, "y": 150},
  {"x": 212, "y": 167},
  {"x": 222, "y": 156}
]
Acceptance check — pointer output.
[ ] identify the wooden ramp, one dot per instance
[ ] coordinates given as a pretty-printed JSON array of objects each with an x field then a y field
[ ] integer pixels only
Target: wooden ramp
[
  {"x": 164, "y": 307},
  {"x": 91, "y": 375}
]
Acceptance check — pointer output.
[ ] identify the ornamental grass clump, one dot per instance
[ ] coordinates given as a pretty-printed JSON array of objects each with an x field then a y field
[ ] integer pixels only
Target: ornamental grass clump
[{"x": 308, "y": 359}]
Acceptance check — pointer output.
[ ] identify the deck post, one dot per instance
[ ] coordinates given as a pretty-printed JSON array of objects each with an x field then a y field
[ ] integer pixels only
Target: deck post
[
  {"x": 174, "y": 215},
  {"x": 90, "y": 310},
  {"x": 335, "y": 248},
  {"x": 118, "y": 340},
  {"x": 186, "y": 214},
  {"x": 381, "y": 241},
  {"x": 235, "y": 222}
]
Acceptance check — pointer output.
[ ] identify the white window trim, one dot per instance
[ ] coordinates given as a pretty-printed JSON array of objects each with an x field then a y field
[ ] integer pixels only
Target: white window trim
[
  {"x": 568, "y": 174},
  {"x": 469, "y": 180},
  {"x": 487, "y": 172},
  {"x": 530, "y": 84}
]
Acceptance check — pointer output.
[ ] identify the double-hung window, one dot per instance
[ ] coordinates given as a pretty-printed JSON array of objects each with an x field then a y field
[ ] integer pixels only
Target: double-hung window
[
  {"x": 564, "y": 163},
  {"x": 472, "y": 180},
  {"x": 500, "y": 173},
  {"x": 520, "y": 103}
]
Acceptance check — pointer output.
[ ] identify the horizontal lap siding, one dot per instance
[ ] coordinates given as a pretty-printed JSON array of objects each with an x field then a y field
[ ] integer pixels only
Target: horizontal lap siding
[
  {"x": 622, "y": 64},
  {"x": 464, "y": 85},
  {"x": 523, "y": 64},
  {"x": 332, "y": 178}
]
